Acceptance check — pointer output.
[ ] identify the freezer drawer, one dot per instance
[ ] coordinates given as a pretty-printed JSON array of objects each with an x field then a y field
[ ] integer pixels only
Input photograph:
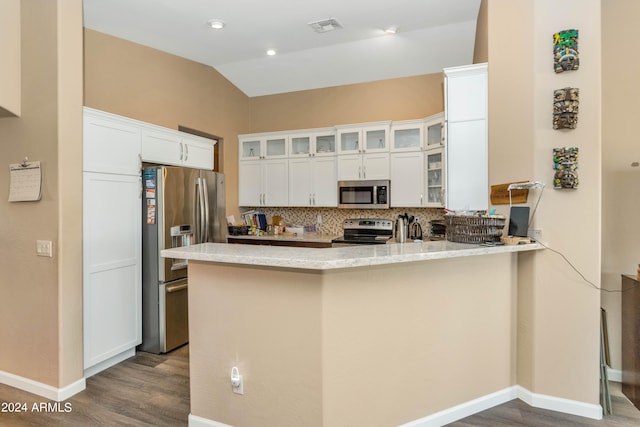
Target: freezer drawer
[{"x": 174, "y": 315}]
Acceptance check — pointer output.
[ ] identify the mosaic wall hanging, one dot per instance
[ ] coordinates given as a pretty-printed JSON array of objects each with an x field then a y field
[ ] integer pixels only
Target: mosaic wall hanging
[
  {"x": 565, "y": 163},
  {"x": 565, "y": 108},
  {"x": 565, "y": 51}
]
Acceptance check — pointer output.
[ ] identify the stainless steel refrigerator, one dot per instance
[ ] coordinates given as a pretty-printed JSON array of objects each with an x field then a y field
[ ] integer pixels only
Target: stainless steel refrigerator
[{"x": 181, "y": 206}]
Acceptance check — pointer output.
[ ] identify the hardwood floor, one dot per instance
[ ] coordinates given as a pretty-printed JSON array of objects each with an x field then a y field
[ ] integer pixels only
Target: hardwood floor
[
  {"x": 153, "y": 390},
  {"x": 518, "y": 413},
  {"x": 145, "y": 390}
]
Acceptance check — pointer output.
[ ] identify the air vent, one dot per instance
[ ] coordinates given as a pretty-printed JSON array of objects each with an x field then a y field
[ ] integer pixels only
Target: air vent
[{"x": 325, "y": 25}]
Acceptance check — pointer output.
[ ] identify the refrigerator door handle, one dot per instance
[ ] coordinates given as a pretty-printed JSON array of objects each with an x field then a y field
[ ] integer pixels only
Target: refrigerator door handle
[
  {"x": 200, "y": 225},
  {"x": 196, "y": 210},
  {"x": 205, "y": 198}
]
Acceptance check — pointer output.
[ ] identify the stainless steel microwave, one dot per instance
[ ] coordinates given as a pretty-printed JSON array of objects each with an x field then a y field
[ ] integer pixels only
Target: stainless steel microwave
[{"x": 365, "y": 194}]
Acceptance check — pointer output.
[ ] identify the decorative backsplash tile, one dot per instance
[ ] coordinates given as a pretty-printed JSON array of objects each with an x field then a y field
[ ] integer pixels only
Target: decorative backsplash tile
[{"x": 333, "y": 218}]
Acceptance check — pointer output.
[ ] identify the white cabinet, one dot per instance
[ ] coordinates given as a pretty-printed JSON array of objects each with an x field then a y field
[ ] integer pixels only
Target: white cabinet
[
  {"x": 168, "y": 147},
  {"x": 435, "y": 178},
  {"x": 407, "y": 179},
  {"x": 112, "y": 265},
  {"x": 435, "y": 136},
  {"x": 111, "y": 144},
  {"x": 363, "y": 166},
  {"x": 112, "y": 230},
  {"x": 363, "y": 138},
  {"x": 466, "y": 94},
  {"x": 263, "y": 182},
  {"x": 407, "y": 135},
  {"x": 312, "y": 182},
  {"x": 263, "y": 146},
  {"x": 312, "y": 143}
]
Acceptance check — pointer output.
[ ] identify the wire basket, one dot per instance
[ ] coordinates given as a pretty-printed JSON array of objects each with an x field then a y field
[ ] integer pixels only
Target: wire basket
[{"x": 474, "y": 229}]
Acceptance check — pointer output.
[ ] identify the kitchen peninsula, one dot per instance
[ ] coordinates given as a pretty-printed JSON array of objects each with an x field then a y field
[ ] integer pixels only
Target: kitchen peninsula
[{"x": 370, "y": 335}]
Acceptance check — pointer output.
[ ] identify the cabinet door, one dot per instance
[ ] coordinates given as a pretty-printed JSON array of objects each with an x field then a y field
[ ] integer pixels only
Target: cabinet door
[
  {"x": 110, "y": 146},
  {"x": 300, "y": 182},
  {"x": 376, "y": 138},
  {"x": 435, "y": 178},
  {"x": 275, "y": 180},
  {"x": 250, "y": 148},
  {"x": 300, "y": 145},
  {"x": 250, "y": 183},
  {"x": 467, "y": 160},
  {"x": 275, "y": 147},
  {"x": 324, "y": 143},
  {"x": 162, "y": 147},
  {"x": 350, "y": 141},
  {"x": 349, "y": 167},
  {"x": 325, "y": 184},
  {"x": 466, "y": 97},
  {"x": 375, "y": 166},
  {"x": 112, "y": 265},
  {"x": 407, "y": 136},
  {"x": 434, "y": 132},
  {"x": 197, "y": 153},
  {"x": 407, "y": 183}
]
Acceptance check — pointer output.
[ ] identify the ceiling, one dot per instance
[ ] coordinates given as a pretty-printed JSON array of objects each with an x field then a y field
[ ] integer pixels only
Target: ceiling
[{"x": 432, "y": 35}]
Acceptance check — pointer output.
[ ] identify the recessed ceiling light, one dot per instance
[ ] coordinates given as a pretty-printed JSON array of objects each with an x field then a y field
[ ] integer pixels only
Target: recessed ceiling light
[
  {"x": 216, "y": 24},
  {"x": 271, "y": 52},
  {"x": 391, "y": 29}
]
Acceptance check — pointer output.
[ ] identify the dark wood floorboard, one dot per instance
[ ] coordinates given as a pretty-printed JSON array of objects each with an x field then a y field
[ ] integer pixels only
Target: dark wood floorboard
[
  {"x": 145, "y": 390},
  {"x": 153, "y": 390}
]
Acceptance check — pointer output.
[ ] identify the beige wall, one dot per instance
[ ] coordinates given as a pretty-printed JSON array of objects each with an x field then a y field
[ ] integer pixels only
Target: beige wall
[
  {"x": 558, "y": 329},
  {"x": 376, "y": 346},
  {"x": 620, "y": 195},
  {"x": 40, "y": 298},
  {"x": 394, "y": 99},
  {"x": 146, "y": 84}
]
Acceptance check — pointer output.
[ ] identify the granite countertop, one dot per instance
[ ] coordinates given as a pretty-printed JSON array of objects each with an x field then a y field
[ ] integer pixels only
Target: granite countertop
[
  {"x": 304, "y": 237},
  {"x": 336, "y": 258}
]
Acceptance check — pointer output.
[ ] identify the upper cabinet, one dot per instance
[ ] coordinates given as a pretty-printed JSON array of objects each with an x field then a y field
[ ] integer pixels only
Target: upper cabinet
[
  {"x": 407, "y": 135},
  {"x": 10, "y": 72},
  {"x": 434, "y": 129},
  {"x": 364, "y": 138},
  {"x": 312, "y": 143},
  {"x": 264, "y": 146},
  {"x": 169, "y": 147},
  {"x": 467, "y": 173},
  {"x": 111, "y": 143}
]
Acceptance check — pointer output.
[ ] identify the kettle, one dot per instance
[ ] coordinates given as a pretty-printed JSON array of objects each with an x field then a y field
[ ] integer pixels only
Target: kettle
[
  {"x": 401, "y": 229},
  {"x": 415, "y": 232}
]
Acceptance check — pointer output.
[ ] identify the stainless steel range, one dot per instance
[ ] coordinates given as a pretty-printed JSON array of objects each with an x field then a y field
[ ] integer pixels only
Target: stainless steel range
[{"x": 364, "y": 231}]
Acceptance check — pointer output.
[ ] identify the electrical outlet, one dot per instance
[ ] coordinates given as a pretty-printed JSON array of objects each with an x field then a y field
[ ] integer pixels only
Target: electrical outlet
[
  {"x": 238, "y": 387},
  {"x": 535, "y": 233},
  {"x": 43, "y": 248}
]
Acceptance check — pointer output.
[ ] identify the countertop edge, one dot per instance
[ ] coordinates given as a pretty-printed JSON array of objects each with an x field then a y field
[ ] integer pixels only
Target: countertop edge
[{"x": 337, "y": 258}]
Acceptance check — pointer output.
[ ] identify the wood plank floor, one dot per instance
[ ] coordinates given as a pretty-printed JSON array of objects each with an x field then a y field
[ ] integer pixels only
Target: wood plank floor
[
  {"x": 153, "y": 390},
  {"x": 145, "y": 390}
]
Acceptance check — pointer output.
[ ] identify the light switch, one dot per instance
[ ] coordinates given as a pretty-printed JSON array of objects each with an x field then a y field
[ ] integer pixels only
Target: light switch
[{"x": 43, "y": 248}]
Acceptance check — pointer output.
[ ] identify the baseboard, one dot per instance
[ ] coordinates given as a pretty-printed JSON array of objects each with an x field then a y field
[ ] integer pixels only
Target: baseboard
[
  {"x": 92, "y": 370},
  {"x": 559, "y": 404},
  {"x": 472, "y": 407},
  {"x": 614, "y": 375},
  {"x": 196, "y": 421},
  {"x": 41, "y": 389}
]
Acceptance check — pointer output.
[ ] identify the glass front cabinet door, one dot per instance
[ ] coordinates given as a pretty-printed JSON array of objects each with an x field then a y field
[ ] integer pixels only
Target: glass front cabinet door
[{"x": 435, "y": 178}]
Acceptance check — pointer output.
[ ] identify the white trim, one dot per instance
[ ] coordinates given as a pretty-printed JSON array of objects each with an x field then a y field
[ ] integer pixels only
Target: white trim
[
  {"x": 472, "y": 407},
  {"x": 41, "y": 389},
  {"x": 560, "y": 404},
  {"x": 464, "y": 410},
  {"x": 614, "y": 375},
  {"x": 196, "y": 421},
  {"x": 114, "y": 360}
]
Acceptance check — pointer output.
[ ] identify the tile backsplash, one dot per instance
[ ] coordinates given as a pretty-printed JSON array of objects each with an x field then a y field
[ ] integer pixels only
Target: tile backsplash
[{"x": 332, "y": 218}]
